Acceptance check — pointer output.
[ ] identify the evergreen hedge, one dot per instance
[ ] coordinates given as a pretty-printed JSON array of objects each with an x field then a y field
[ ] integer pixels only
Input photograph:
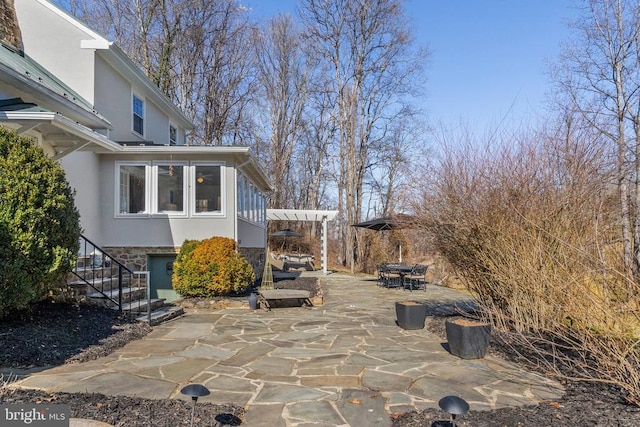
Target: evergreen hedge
[{"x": 39, "y": 223}]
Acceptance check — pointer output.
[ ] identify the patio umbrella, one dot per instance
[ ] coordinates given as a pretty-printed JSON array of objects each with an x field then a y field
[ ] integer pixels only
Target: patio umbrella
[
  {"x": 287, "y": 232},
  {"x": 394, "y": 222}
]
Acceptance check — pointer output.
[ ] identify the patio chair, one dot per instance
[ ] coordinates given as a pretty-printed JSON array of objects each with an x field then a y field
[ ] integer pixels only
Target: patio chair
[
  {"x": 417, "y": 278},
  {"x": 382, "y": 275},
  {"x": 278, "y": 263},
  {"x": 393, "y": 278}
]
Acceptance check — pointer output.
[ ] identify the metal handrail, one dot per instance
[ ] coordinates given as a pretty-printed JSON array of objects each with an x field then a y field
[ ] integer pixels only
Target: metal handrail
[
  {"x": 106, "y": 261},
  {"x": 148, "y": 288}
]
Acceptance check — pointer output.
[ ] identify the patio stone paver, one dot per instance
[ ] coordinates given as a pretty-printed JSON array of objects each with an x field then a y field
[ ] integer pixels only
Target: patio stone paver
[
  {"x": 322, "y": 413},
  {"x": 266, "y": 415},
  {"x": 363, "y": 408},
  {"x": 115, "y": 383},
  {"x": 285, "y": 393},
  {"x": 375, "y": 380},
  {"x": 345, "y": 363}
]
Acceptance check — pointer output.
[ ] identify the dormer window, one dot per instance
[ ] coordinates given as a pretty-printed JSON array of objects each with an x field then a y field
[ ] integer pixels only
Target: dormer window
[{"x": 138, "y": 115}]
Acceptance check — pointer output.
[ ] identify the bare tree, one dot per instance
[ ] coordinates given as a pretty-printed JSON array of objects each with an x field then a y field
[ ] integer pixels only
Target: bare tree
[
  {"x": 196, "y": 51},
  {"x": 283, "y": 76},
  {"x": 367, "y": 45},
  {"x": 314, "y": 168},
  {"x": 599, "y": 78},
  {"x": 229, "y": 77},
  {"x": 9, "y": 29}
]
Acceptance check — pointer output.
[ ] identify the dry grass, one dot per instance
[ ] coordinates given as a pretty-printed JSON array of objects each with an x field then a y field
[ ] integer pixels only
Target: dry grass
[{"x": 532, "y": 231}]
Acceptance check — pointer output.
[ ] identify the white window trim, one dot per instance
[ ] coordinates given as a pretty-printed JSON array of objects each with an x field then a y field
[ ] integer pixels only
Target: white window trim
[
  {"x": 185, "y": 190},
  {"x": 192, "y": 191},
  {"x": 147, "y": 188},
  {"x": 239, "y": 194},
  {"x": 144, "y": 114},
  {"x": 250, "y": 201}
]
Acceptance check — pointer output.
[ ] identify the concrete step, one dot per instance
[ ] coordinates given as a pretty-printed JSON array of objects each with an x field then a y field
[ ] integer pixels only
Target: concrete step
[
  {"x": 162, "y": 314},
  {"x": 128, "y": 294},
  {"x": 97, "y": 281},
  {"x": 102, "y": 283},
  {"x": 88, "y": 272},
  {"x": 141, "y": 305}
]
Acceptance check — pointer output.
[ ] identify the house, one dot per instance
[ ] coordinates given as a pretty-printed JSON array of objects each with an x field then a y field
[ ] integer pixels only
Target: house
[{"x": 141, "y": 189}]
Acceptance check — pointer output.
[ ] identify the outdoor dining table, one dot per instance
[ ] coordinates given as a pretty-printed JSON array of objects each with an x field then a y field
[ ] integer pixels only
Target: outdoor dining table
[{"x": 400, "y": 269}]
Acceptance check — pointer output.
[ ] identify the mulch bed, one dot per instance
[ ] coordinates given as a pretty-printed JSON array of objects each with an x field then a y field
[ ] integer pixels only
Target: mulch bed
[
  {"x": 53, "y": 333},
  {"x": 123, "y": 411},
  {"x": 57, "y": 333},
  {"x": 584, "y": 403}
]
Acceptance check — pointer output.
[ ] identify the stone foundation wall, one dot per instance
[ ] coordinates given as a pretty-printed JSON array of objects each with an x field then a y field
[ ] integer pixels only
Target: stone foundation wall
[
  {"x": 135, "y": 257},
  {"x": 255, "y": 257}
]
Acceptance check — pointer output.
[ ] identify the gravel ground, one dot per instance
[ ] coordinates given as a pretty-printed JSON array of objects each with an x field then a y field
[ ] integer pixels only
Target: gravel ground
[{"x": 57, "y": 333}]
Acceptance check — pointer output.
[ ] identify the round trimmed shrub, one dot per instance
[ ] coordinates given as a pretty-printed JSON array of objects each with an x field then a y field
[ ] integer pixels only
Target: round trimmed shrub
[
  {"x": 179, "y": 266},
  {"x": 211, "y": 267},
  {"x": 39, "y": 223}
]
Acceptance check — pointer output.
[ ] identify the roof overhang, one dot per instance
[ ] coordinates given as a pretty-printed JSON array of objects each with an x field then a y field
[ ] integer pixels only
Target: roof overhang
[
  {"x": 300, "y": 215},
  {"x": 64, "y": 135},
  {"x": 42, "y": 95}
]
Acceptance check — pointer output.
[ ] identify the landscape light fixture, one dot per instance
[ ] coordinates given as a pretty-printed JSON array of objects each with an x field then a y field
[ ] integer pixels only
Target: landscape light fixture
[
  {"x": 195, "y": 391},
  {"x": 453, "y": 405}
]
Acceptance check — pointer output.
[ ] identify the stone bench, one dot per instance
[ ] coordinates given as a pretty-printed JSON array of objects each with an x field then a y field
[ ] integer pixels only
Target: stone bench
[{"x": 267, "y": 297}]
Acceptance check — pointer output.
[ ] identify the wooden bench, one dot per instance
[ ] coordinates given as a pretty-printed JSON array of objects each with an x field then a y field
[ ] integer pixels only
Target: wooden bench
[{"x": 268, "y": 296}]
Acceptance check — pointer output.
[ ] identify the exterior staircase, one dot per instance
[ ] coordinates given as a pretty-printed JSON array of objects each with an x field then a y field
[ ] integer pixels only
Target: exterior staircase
[{"x": 104, "y": 280}]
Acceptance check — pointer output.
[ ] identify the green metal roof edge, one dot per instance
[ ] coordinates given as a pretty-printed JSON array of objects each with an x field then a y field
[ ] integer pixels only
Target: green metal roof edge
[{"x": 24, "y": 65}]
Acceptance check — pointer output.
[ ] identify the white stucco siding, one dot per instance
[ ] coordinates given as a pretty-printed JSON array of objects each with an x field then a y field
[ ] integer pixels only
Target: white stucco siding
[
  {"x": 114, "y": 100},
  {"x": 82, "y": 172},
  {"x": 157, "y": 125},
  {"x": 250, "y": 235},
  {"x": 56, "y": 45}
]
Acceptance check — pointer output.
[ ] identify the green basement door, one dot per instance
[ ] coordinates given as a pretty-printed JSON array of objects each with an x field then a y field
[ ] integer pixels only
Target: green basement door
[{"x": 161, "y": 269}]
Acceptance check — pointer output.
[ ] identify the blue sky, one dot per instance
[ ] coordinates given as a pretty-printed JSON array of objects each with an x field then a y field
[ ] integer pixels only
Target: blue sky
[{"x": 488, "y": 57}]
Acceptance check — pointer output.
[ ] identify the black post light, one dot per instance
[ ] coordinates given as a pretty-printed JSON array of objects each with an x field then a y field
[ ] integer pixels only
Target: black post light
[
  {"x": 453, "y": 405},
  {"x": 195, "y": 391}
]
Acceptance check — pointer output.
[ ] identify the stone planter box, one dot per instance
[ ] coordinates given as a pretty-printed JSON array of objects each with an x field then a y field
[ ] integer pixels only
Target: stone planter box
[
  {"x": 410, "y": 314},
  {"x": 468, "y": 339}
]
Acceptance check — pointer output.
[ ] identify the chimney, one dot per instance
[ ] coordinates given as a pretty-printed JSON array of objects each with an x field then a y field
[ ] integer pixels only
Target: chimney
[{"x": 9, "y": 28}]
